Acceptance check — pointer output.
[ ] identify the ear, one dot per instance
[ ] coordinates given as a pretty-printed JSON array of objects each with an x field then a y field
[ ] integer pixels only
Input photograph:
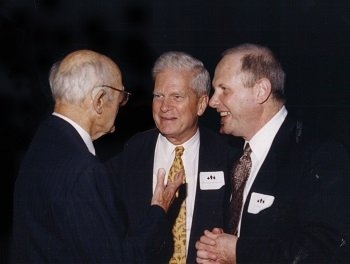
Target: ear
[
  {"x": 202, "y": 104},
  {"x": 263, "y": 90},
  {"x": 98, "y": 101}
]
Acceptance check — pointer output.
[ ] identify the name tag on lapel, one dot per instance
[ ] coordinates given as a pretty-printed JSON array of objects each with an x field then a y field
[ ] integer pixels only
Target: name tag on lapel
[
  {"x": 211, "y": 180},
  {"x": 259, "y": 202}
]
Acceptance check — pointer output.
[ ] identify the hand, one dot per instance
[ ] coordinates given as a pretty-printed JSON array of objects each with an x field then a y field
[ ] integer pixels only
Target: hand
[
  {"x": 216, "y": 247},
  {"x": 164, "y": 195},
  {"x": 206, "y": 247}
]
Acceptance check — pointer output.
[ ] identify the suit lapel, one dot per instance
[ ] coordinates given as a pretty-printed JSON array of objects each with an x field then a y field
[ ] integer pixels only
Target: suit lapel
[
  {"x": 204, "y": 161},
  {"x": 268, "y": 175},
  {"x": 207, "y": 162},
  {"x": 147, "y": 158}
]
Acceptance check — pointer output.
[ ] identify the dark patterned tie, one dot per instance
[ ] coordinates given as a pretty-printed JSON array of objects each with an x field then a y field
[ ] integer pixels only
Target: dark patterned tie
[
  {"x": 179, "y": 228},
  {"x": 241, "y": 171}
]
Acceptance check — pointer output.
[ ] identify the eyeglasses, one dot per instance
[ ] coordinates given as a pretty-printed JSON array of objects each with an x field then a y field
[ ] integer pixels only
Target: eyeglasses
[{"x": 126, "y": 95}]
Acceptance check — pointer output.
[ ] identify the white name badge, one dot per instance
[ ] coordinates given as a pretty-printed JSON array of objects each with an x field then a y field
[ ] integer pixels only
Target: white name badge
[
  {"x": 211, "y": 180},
  {"x": 259, "y": 202}
]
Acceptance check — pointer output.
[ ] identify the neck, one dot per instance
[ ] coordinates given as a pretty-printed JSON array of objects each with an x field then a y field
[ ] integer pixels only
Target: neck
[
  {"x": 264, "y": 116},
  {"x": 77, "y": 113}
]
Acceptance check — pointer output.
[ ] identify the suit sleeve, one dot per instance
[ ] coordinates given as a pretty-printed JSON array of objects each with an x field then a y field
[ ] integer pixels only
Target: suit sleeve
[{"x": 97, "y": 225}]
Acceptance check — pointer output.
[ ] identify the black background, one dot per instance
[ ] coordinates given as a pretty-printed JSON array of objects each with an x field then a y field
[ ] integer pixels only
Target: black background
[{"x": 311, "y": 39}]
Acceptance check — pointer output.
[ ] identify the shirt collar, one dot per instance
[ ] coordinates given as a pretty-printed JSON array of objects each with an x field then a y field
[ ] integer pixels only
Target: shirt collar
[
  {"x": 84, "y": 135},
  {"x": 169, "y": 147},
  {"x": 262, "y": 140}
]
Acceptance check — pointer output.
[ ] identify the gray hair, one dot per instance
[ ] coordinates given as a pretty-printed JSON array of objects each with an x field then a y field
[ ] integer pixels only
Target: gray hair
[
  {"x": 180, "y": 61},
  {"x": 259, "y": 62},
  {"x": 80, "y": 72}
]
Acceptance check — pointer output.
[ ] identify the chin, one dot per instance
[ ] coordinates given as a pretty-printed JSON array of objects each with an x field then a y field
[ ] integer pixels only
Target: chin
[
  {"x": 112, "y": 130},
  {"x": 165, "y": 129},
  {"x": 225, "y": 131}
]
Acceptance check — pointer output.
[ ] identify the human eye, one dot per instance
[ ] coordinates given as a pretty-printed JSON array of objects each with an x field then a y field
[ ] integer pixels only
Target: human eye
[
  {"x": 224, "y": 89},
  {"x": 157, "y": 95},
  {"x": 177, "y": 97}
]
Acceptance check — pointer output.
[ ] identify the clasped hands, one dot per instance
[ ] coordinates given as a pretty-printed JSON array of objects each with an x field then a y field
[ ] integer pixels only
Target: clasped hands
[{"x": 216, "y": 247}]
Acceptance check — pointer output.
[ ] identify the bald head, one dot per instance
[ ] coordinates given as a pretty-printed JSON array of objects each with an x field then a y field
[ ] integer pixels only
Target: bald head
[
  {"x": 74, "y": 77},
  {"x": 87, "y": 88},
  {"x": 258, "y": 62}
]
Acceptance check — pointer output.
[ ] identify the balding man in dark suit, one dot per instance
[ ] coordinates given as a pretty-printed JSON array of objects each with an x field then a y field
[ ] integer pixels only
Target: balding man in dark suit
[
  {"x": 64, "y": 209},
  {"x": 295, "y": 200}
]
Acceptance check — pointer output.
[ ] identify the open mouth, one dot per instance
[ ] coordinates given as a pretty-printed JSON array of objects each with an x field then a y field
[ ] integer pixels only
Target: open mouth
[{"x": 224, "y": 113}]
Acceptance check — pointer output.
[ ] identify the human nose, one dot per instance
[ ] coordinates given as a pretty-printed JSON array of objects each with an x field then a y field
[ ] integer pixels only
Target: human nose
[
  {"x": 214, "y": 101},
  {"x": 165, "y": 104}
]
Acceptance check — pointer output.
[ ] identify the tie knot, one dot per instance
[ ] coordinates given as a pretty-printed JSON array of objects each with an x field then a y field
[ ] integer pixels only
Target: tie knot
[
  {"x": 179, "y": 150},
  {"x": 247, "y": 150}
]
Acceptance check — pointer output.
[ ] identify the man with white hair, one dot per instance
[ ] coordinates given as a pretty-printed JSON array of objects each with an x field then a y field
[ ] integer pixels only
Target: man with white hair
[
  {"x": 180, "y": 98},
  {"x": 64, "y": 207}
]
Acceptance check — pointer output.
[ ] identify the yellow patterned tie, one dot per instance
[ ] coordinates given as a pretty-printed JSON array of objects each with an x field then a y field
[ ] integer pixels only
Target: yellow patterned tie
[{"x": 179, "y": 228}]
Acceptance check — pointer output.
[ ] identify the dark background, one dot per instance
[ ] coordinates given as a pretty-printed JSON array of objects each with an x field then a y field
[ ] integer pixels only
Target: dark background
[{"x": 310, "y": 37}]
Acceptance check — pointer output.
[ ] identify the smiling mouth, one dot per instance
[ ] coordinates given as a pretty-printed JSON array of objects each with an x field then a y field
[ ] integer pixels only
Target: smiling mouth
[
  {"x": 224, "y": 113},
  {"x": 168, "y": 118}
]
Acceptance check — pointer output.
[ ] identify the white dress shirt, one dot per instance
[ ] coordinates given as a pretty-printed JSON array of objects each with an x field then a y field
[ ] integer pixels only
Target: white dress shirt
[
  {"x": 164, "y": 157},
  {"x": 84, "y": 135},
  {"x": 260, "y": 145}
]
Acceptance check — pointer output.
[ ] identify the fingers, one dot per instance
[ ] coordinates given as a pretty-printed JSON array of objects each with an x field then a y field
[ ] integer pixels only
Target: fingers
[
  {"x": 178, "y": 179},
  {"x": 206, "y": 261},
  {"x": 206, "y": 248},
  {"x": 160, "y": 178},
  {"x": 210, "y": 237},
  {"x": 205, "y": 243},
  {"x": 158, "y": 195},
  {"x": 164, "y": 195},
  {"x": 205, "y": 257},
  {"x": 205, "y": 252},
  {"x": 217, "y": 230},
  {"x": 200, "y": 245},
  {"x": 173, "y": 186},
  {"x": 158, "y": 191}
]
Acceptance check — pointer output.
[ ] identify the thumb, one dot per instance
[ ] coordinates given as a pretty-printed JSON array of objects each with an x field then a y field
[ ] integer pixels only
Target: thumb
[{"x": 217, "y": 230}]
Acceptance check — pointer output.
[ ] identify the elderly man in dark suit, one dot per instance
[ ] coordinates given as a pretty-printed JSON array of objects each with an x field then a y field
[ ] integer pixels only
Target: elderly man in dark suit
[
  {"x": 64, "y": 209},
  {"x": 180, "y": 97},
  {"x": 295, "y": 193}
]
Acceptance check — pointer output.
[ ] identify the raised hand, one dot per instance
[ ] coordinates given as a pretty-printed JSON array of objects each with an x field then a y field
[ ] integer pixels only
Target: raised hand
[{"x": 164, "y": 194}]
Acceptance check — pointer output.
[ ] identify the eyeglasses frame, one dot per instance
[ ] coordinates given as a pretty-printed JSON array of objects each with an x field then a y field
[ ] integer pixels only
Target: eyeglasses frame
[{"x": 125, "y": 93}]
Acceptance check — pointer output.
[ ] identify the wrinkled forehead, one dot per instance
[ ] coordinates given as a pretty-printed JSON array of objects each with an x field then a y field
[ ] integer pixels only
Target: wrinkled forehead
[
  {"x": 228, "y": 67},
  {"x": 231, "y": 62},
  {"x": 174, "y": 78}
]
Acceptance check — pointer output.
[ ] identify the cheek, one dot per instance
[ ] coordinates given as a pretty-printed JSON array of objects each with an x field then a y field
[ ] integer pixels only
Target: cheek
[
  {"x": 229, "y": 101},
  {"x": 115, "y": 115},
  {"x": 155, "y": 106},
  {"x": 114, "y": 112},
  {"x": 238, "y": 101},
  {"x": 155, "y": 112},
  {"x": 184, "y": 110},
  {"x": 189, "y": 115}
]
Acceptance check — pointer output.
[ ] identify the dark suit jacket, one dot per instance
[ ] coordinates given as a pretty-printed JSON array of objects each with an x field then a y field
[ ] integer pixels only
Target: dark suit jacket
[
  {"x": 308, "y": 222},
  {"x": 64, "y": 210},
  {"x": 136, "y": 182}
]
